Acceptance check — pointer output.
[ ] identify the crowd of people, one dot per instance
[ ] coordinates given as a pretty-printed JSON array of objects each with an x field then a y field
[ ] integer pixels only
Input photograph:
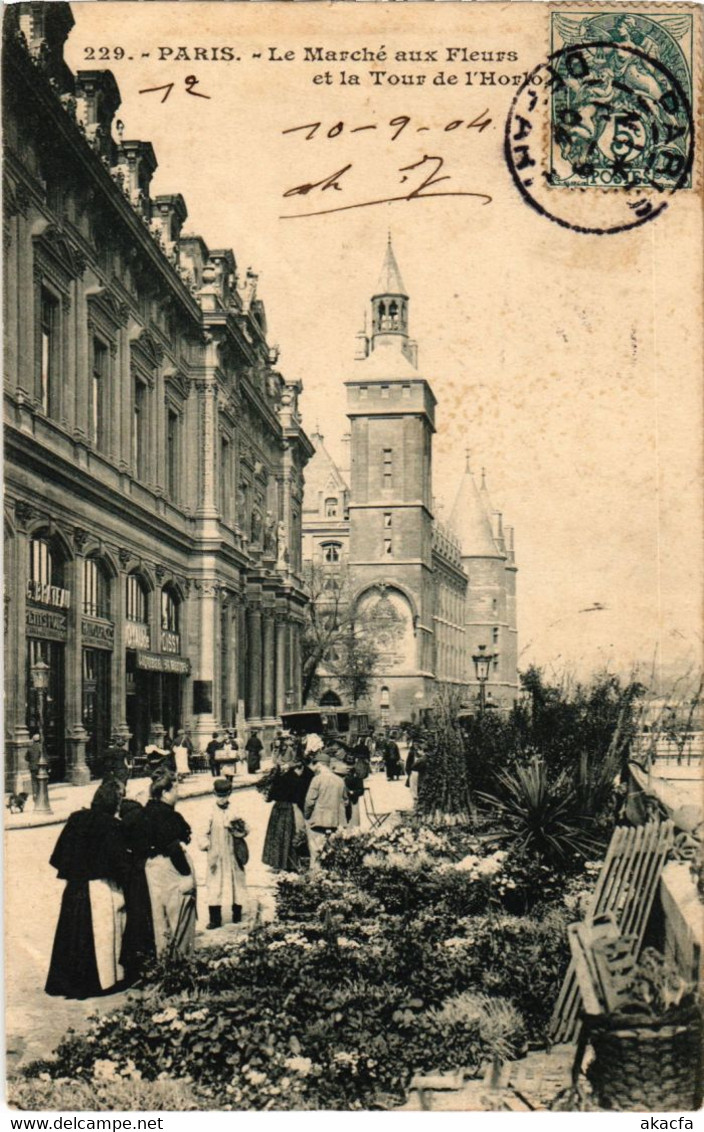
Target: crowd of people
[{"x": 130, "y": 883}]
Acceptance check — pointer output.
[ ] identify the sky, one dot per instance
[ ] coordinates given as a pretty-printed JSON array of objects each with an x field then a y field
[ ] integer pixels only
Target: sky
[{"x": 567, "y": 365}]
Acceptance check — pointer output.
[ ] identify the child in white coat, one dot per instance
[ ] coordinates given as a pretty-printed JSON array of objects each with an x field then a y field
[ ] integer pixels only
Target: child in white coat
[{"x": 226, "y": 846}]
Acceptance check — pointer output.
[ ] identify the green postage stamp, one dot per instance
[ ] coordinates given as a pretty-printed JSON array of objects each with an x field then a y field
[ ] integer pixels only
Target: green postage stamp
[{"x": 621, "y": 98}]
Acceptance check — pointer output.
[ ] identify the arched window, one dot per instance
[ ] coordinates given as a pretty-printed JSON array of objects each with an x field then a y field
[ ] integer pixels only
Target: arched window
[
  {"x": 137, "y": 608},
  {"x": 384, "y": 697},
  {"x": 96, "y": 589},
  {"x": 331, "y": 507},
  {"x": 46, "y": 573},
  {"x": 169, "y": 610},
  {"x": 330, "y": 699},
  {"x": 46, "y": 567},
  {"x": 331, "y": 551}
]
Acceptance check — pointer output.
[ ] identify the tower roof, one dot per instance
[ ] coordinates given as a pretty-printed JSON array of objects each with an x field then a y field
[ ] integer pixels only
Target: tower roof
[
  {"x": 322, "y": 473},
  {"x": 470, "y": 521},
  {"x": 484, "y": 495},
  {"x": 390, "y": 281}
]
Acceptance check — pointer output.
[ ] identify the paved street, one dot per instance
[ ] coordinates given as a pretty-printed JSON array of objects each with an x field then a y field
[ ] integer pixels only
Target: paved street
[{"x": 36, "y": 1022}]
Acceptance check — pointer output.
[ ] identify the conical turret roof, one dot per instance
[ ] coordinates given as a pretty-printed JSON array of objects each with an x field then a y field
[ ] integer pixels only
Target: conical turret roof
[
  {"x": 484, "y": 495},
  {"x": 390, "y": 281},
  {"x": 470, "y": 521},
  {"x": 322, "y": 473}
]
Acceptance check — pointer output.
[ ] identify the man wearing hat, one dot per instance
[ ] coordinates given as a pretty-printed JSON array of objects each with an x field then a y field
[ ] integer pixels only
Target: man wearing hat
[
  {"x": 224, "y": 842},
  {"x": 325, "y": 806}
]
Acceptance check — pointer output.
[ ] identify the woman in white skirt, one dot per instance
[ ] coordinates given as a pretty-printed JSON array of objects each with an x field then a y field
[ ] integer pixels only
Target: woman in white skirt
[{"x": 169, "y": 871}]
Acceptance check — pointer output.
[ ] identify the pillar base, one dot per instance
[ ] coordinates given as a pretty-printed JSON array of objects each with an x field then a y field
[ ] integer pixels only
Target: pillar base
[
  {"x": 17, "y": 777},
  {"x": 202, "y": 728},
  {"x": 78, "y": 770}
]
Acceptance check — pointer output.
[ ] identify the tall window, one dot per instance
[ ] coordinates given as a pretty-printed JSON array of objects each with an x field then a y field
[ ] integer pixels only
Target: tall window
[
  {"x": 96, "y": 589},
  {"x": 172, "y": 438},
  {"x": 169, "y": 611},
  {"x": 99, "y": 390},
  {"x": 388, "y": 548},
  {"x": 139, "y": 429},
  {"x": 387, "y": 520},
  {"x": 136, "y": 599},
  {"x": 46, "y": 574},
  {"x": 49, "y": 359},
  {"x": 40, "y": 562},
  {"x": 388, "y": 467},
  {"x": 331, "y": 507},
  {"x": 495, "y": 635},
  {"x": 331, "y": 552}
]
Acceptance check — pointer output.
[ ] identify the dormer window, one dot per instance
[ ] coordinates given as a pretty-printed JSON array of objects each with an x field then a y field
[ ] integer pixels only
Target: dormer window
[{"x": 331, "y": 507}]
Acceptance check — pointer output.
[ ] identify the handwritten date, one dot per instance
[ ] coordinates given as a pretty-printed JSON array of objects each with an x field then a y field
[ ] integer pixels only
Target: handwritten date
[{"x": 397, "y": 125}]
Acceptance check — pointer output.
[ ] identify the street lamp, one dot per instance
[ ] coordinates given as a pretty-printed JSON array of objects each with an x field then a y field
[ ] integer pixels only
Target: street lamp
[
  {"x": 482, "y": 664},
  {"x": 40, "y": 682}
]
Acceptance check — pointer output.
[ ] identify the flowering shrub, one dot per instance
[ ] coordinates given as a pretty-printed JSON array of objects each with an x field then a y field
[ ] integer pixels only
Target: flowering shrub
[
  {"x": 521, "y": 959},
  {"x": 398, "y": 957}
]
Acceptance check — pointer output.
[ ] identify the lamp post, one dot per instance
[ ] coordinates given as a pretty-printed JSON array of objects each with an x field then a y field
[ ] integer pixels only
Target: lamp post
[
  {"x": 482, "y": 664},
  {"x": 40, "y": 682}
]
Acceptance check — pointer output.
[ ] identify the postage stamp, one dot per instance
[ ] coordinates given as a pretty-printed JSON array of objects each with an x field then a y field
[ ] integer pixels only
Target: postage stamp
[
  {"x": 621, "y": 98},
  {"x": 609, "y": 116}
]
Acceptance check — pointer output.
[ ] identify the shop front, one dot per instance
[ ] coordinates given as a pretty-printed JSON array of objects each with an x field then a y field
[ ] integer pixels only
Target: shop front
[
  {"x": 155, "y": 697},
  {"x": 98, "y": 641},
  {"x": 47, "y": 634}
]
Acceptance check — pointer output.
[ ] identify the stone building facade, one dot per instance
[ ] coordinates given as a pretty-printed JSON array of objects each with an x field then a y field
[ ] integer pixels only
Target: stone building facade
[
  {"x": 154, "y": 454},
  {"x": 428, "y": 593}
]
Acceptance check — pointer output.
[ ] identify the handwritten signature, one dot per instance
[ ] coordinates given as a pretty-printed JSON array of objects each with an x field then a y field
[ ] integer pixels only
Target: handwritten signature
[{"x": 430, "y": 166}]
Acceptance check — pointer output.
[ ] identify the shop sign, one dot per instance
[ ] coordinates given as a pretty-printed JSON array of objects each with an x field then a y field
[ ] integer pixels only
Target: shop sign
[
  {"x": 48, "y": 595},
  {"x": 100, "y": 634},
  {"x": 155, "y": 662},
  {"x": 136, "y": 635},
  {"x": 44, "y": 623},
  {"x": 170, "y": 642}
]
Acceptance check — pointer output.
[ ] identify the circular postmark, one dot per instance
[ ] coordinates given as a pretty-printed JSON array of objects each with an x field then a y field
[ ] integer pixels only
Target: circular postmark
[{"x": 600, "y": 136}]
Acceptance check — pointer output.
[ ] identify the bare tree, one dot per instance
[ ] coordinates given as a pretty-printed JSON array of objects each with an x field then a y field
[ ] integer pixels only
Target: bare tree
[{"x": 335, "y": 637}]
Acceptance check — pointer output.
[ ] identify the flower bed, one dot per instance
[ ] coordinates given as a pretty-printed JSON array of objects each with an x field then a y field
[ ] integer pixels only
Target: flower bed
[{"x": 398, "y": 957}]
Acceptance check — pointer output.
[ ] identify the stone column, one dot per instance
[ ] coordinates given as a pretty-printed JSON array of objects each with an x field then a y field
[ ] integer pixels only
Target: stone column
[
  {"x": 125, "y": 407},
  {"x": 281, "y": 643},
  {"x": 269, "y": 667},
  {"x": 234, "y": 660},
  {"x": 17, "y": 777},
  {"x": 254, "y": 663},
  {"x": 118, "y": 670},
  {"x": 206, "y": 666},
  {"x": 76, "y": 734},
  {"x": 242, "y": 656},
  {"x": 296, "y": 663},
  {"x": 208, "y": 432},
  {"x": 82, "y": 392}
]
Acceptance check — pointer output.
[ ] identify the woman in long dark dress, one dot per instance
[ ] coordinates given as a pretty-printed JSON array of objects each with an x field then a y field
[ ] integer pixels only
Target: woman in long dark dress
[
  {"x": 138, "y": 946},
  {"x": 90, "y": 855},
  {"x": 285, "y": 834}
]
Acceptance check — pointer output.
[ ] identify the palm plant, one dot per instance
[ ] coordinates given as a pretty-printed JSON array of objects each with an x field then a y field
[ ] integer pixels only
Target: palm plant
[{"x": 534, "y": 815}]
